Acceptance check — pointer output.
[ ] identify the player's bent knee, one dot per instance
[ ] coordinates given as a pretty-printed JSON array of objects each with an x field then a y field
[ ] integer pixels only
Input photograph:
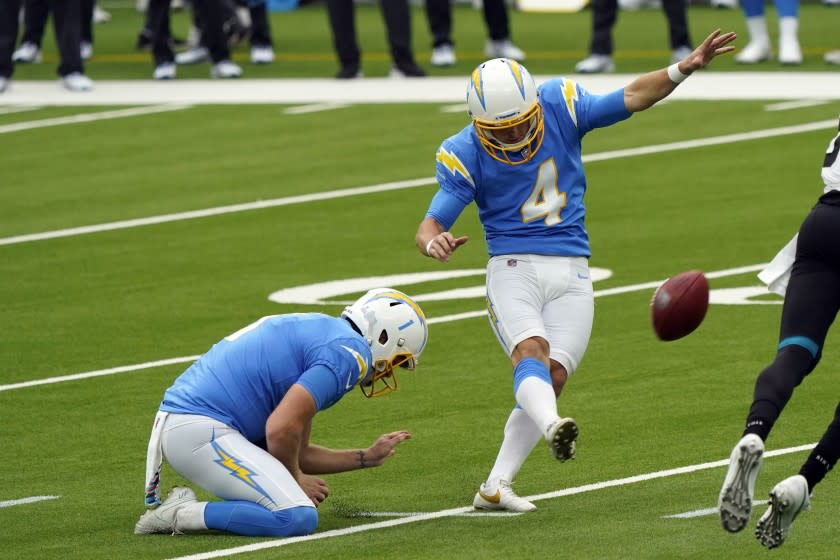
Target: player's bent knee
[{"x": 296, "y": 521}]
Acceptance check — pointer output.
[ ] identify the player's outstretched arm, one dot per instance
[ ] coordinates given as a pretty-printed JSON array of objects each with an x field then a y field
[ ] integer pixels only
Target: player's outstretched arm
[
  {"x": 316, "y": 459},
  {"x": 654, "y": 86},
  {"x": 433, "y": 241}
]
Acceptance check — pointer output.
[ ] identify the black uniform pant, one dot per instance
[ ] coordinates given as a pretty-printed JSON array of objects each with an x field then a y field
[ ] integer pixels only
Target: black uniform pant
[
  {"x": 212, "y": 15},
  {"x": 397, "y": 23},
  {"x": 36, "y": 13},
  {"x": 9, "y": 10},
  {"x": 605, "y": 13},
  {"x": 812, "y": 301},
  {"x": 439, "y": 14}
]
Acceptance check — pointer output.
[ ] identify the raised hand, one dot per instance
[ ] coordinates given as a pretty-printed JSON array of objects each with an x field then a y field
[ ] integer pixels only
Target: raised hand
[{"x": 714, "y": 45}]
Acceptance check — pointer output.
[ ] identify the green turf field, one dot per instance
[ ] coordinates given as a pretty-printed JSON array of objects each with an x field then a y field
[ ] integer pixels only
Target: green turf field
[{"x": 167, "y": 291}]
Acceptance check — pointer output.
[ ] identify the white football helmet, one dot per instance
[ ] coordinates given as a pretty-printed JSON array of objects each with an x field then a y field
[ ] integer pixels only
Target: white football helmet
[
  {"x": 505, "y": 109},
  {"x": 396, "y": 330}
]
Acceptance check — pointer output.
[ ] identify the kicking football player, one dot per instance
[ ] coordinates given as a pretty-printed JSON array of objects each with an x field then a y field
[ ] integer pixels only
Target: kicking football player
[
  {"x": 520, "y": 161},
  {"x": 807, "y": 273},
  {"x": 237, "y": 421}
]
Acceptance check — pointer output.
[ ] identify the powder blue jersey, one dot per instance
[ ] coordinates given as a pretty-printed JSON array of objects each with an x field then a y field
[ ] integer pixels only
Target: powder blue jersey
[
  {"x": 242, "y": 378},
  {"x": 535, "y": 207}
]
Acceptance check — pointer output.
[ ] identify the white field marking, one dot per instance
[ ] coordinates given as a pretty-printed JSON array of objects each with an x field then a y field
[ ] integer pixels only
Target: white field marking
[
  {"x": 457, "y": 108},
  {"x": 219, "y": 210},
  {"x": 18, "y": 109},
  {"x": 787, "y": 105},
  {"x": 314, "y": 108},
  {"x": 365, "y": 514},
  {"x": 90, "y": 117},
  {"x": 702, "y": 512},
  {"x": 98, "y": 373},
  {"x": 29, "y": 500},
  {"x": 125, "y": 224},
  {"x": 432, "y": 321},
  {"x": 220, "y": 553}
]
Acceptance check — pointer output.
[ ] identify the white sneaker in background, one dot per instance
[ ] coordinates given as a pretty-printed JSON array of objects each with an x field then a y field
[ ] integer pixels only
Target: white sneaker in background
[
  {"x": 736, "y": 494},
  {"x": 162, "y": 519},
  {"x": 787, "y": 500},
  {"x": 86, "y": 50},
  {"x": 503, "y": 48},
  {"x": 263, "y": 54},
  {"x": 27, "y": 53},
  {"x": 680, "y": 53},
  {"x": 4, "y": 83},
  {"x": 100, "y": 15},
  {"x": 165, "y": 71},
  {"x": 76, "y": 81},
  {"x": 754, "y": 53},
  {"x": 443, "y": 55},
  {"x": 502, "y": 498},
  {"x": 192, "y": 56},
  {"x": 832, "y": 57},
  {"x": 225, "y": 70},
  {"x": 725, "y": 4},
  {"x": 595, "y": 64}
]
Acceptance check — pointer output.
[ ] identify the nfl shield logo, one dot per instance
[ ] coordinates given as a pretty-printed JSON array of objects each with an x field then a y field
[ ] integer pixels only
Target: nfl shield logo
[{"x": 511, "y": 262}]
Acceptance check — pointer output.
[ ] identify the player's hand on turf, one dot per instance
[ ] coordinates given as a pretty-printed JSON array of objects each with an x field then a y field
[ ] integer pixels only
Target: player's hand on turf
[
  {"x": 714, "y": 45},
  {"x": 383, "y": 447},
  {"x": 444, "y": 244},
  {"x": 315, "y": 488}
]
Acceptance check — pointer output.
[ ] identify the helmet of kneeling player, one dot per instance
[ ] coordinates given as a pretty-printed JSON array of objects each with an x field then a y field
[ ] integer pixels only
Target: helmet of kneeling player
[
  {"x": 505, "y": 110},
  {"x": 396, "y": 330}
]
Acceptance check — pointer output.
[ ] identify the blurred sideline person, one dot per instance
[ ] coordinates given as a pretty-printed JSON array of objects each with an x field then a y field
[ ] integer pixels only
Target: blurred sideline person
[
  {"x": 9, "y": 10},
  {"x": 807, "y": 273},
  {"x": 758, "y": 48},
  {"x": 520, "y": 161},
  {"x": 604, "y": 16},
  {"x": 499, "y": 45},
  {"x": 35, "y": 15},
  {"x": 237, "y": 421},
  {"x": 212, "y": 13},
  {"x": 397, "y": 16},
  {"x": 67, "y": 22}
]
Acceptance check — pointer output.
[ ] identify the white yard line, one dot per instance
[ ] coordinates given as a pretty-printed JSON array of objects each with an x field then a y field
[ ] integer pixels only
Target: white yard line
[
  {"x": 434, "y": 320},
  {"x": 411, "y": 183},
  {"x": 90, "y": 117},
  {"x": 704, "y": 512},
  {"x": 414, "y": 518},
  {"x": 314, "y": 108},
  {"x": 18, "y": 109},
  {"x": 29, "y": 500},
  {"x": 788, "y": 105}
]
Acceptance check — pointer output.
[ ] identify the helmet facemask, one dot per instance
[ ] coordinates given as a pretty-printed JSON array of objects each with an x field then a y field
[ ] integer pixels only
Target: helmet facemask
[{"x": 491, "y": 135}]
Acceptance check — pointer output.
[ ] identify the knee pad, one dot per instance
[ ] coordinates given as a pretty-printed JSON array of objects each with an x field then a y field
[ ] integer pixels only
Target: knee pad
[{"x": 297, "y": 521}]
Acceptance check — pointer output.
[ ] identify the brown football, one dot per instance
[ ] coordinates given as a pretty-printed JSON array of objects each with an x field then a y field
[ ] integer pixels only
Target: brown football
[{"x": 679, "y": 305}]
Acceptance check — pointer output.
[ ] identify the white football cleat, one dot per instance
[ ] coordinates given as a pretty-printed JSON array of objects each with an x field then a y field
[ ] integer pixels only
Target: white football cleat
[
  {"x": 787, "y": 500},
  {"x": 754, "y": 52},
  {"x": 225, "y": 69},
  {"x": 76, "y": 81},
  {"x": 561, "y": 437},
  {"x": 164, "y": 71},
  {"x": 503, "y": 48},
  {"x": 4, "y": 83},
  {"x": 789, "y": 51},
  {"x": 735, "y": 500},
  {"x": 27, "y": 53},
  {"x": 262, "y": 54},
  {"x": 503, "y": 499},
  {"x": 832, "y": 57},
  {"x": 192, "y": 56},
  {"x": 443, "y": 55},
  {"x": 595, "y": 64},
  {"x": 162, "y": 519}
]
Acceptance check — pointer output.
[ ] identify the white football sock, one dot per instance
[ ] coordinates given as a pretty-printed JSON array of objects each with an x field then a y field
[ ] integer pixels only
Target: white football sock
[
  {"x": 521, "y": 435},
  {"x": 536, "y": 397},
  {"x": 191, "y": 517},
  {"x": 757, "y": 27},
  {"x": 788, "y": 28}
]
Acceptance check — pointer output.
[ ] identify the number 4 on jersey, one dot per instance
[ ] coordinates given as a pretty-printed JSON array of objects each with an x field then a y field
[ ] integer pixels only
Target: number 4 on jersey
[{"x": 546, "y": 200}]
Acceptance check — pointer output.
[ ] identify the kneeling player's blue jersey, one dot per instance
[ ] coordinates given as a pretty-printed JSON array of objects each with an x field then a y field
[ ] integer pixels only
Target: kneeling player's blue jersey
[
  {"x": 535, "y": 207},
  {"x": 242, "y": 378}
]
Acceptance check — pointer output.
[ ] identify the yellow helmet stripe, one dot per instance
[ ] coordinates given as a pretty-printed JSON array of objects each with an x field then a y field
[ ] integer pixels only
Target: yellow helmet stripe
[
  {"x": 402, "y": 297},
  {"x": 478, "y": 86}
]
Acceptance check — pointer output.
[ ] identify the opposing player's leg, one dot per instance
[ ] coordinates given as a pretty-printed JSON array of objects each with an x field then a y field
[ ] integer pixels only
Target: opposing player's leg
[{"x": 260, "y": 497}]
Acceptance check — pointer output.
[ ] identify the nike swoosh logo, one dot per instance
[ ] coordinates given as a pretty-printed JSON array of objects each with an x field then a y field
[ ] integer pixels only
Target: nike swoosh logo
[{"x": 494, "y": 499}]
